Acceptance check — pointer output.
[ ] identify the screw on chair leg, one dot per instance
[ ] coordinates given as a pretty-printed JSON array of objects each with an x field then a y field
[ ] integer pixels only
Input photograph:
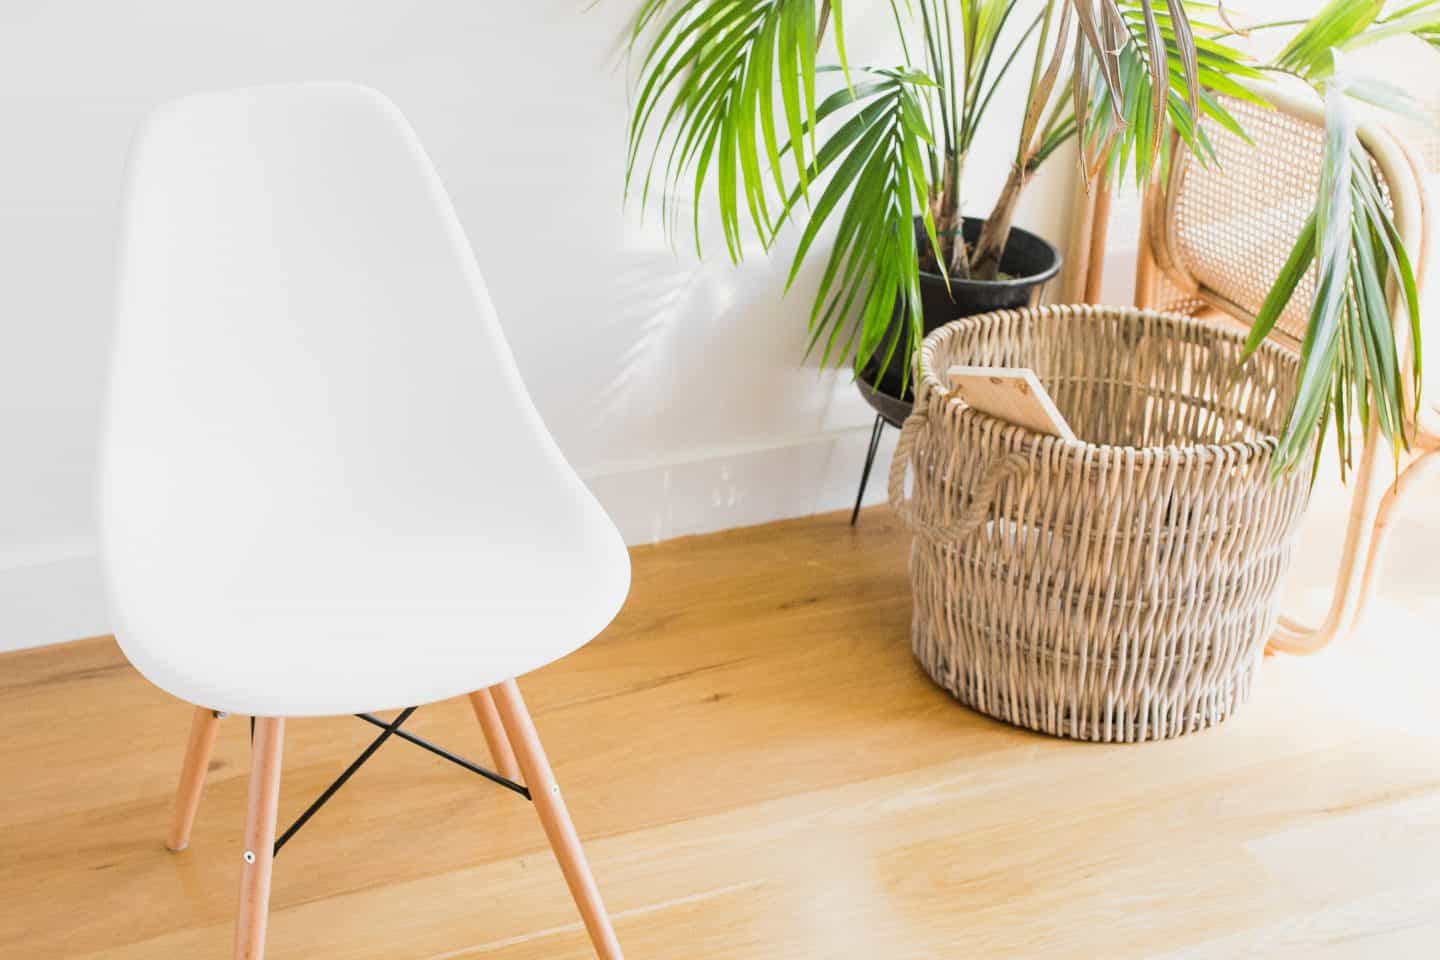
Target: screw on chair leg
[
  {"x": 875, "y": 432},
  {"x": 259, "y": 856},
  {"x": 545, "y": 793},
  {"x": 204, "y": 724},
  {"x": 494, "y": 730}
]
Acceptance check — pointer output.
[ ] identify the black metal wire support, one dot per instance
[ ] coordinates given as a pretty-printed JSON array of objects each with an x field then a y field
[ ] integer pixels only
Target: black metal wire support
[
  {"x": 331, "y": 790},
  {"x": 387, "y": 730},
  {"x": 875, "y": 432},
  {"x": 456, "y": 759}
]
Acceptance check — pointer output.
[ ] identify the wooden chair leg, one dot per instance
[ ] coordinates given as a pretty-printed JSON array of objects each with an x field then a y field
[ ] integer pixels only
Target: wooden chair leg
[
  {"x": 258, "y": 857},
  {"x": 204, "y": 724},
  {"x": 555, "y": 818},
  {"x": 1416, "y": 472},
  {"x": 490, "y": 724},
  {"x": 1367, "y": 484}
]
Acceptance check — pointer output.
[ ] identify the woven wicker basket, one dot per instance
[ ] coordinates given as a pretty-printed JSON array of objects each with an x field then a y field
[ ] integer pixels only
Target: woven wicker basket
[{"x": 1115, "y": 589}]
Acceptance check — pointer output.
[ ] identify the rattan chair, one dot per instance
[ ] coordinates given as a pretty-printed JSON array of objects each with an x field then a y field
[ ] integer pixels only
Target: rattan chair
[{"x": 1212, "y": 240}]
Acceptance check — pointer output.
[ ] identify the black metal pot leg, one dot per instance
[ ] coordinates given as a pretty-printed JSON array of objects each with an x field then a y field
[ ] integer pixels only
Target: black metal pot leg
[{"x": 875, "y": 432}]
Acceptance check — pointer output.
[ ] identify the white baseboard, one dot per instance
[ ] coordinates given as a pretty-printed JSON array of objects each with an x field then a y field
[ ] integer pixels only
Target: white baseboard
[
  {"x": 51, "y": 594},
  {"x": 741, "y": 488},
  {"x": 52, "y": 599}
]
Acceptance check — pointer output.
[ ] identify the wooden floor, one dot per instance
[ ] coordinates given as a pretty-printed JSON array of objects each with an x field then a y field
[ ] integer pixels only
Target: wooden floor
[{"x": 760, "y": 771}]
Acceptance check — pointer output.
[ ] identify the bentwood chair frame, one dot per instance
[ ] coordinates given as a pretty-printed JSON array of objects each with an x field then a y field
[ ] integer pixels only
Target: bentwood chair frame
[{"x": 1212, "y": 239}]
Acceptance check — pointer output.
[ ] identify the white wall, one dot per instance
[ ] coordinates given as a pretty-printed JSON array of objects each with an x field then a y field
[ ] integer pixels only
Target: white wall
[{"x": 675, "y": 388}]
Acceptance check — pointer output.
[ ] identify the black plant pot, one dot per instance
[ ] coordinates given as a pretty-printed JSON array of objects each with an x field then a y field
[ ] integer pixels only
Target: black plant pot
[{"x": 1030, "y": 260}]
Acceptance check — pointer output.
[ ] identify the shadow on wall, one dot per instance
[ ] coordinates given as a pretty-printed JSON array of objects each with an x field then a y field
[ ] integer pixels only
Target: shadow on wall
[{"x": 728, "y": 423}]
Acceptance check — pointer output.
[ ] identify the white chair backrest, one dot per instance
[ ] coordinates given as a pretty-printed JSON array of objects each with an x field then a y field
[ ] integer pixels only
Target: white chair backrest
[{"x": 303, "y": 341}]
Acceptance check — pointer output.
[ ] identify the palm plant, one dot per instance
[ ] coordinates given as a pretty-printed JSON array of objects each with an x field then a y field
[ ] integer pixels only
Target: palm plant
[
  {"x": 732, "y": 95},
  {"x": 1351, "y": 366}
]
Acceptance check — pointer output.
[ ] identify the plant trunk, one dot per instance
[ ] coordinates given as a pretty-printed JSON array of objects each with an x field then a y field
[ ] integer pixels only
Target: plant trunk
[
  {"x": 959, "y": 254},
  {"x": 985, "y": 263},
  {"x": 953, "y": 258}
]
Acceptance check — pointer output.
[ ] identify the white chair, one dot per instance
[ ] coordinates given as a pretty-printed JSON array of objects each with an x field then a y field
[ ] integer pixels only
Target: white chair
[{"x": 324, "y": 488}]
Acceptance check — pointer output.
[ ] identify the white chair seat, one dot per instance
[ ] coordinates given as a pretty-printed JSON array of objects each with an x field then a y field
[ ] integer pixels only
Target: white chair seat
[{"x": 362, "y": 626}]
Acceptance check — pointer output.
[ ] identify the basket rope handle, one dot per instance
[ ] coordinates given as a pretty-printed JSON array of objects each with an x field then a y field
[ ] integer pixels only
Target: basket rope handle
[{"x": 973, "y": 518}]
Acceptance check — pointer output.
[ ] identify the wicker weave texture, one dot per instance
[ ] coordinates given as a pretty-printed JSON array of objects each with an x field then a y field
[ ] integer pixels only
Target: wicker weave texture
[
  {"x": 1233, "y": 221},
  {"x": 1119, "y": 589}
]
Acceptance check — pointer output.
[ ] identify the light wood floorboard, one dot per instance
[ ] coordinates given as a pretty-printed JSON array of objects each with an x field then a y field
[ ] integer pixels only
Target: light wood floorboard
[{"x": 759, "y": 771}]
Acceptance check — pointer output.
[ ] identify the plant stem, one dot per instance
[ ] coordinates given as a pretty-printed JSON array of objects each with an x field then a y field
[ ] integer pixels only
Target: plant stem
[
  {"x": 976, "y": 110},
  {"x": 957, "y": 117},
  {"x": 955, "y": 261},
  {"x": 1237, "y": 32},
  {"x": 994, "y": 236},
  {"x": 937, "y": 67}
]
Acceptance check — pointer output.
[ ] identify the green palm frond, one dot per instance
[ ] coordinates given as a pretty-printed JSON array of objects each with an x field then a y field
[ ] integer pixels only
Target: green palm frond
[
  {"x": 709, "y": 79},
  {"x": 1344, "y": 25},
  {"x": 1131, "y": 134},
  {"x": 1350, "y": 363},
  {"x": 1338, "y": 24},
  {"x": 877, "y": 182}
]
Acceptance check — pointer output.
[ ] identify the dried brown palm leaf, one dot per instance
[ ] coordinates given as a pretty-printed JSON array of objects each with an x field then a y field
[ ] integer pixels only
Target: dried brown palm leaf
[
  {"x": 1185, "y": 44},
  {"x": 1158, "y": 65},
  {"x": 1105, "y": 58}
]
